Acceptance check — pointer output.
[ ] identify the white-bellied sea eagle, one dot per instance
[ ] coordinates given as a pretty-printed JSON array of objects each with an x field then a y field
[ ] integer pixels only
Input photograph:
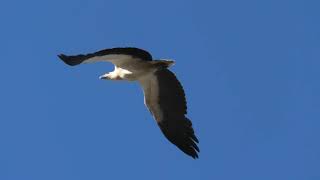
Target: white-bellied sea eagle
[{"x": 163, "y": 93}]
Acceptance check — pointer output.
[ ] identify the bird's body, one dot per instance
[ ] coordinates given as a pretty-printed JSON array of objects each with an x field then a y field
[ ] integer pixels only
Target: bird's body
[{"x": 164, "y": 95}]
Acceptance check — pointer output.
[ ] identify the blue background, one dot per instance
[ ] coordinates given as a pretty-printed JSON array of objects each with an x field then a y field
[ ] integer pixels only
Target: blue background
[{"x": 250, "y": 70}]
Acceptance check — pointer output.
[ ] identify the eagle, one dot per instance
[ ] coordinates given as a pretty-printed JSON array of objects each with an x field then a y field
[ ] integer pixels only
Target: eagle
[{"x": 163, "y": 93}]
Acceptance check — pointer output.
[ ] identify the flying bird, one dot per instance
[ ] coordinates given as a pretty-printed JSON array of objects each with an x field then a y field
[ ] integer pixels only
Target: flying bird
[{"x": 163, "y": 94}]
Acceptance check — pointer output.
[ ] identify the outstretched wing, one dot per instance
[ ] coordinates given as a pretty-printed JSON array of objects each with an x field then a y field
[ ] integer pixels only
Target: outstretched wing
[
  {"x": 117, "y": 56},
  {"x": 165, "y": 98}
]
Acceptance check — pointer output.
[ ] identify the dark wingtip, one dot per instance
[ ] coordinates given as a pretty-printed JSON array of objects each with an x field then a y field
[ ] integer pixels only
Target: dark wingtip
[
  {"x": 195, "y": 156},
  {"x": 182, "y": 135},
  {"x": 61, "y": 56},
  {"x": 64, "y": 58},
  {"x": 192, "y": 150},
  {"x": 68, "y": 60}
]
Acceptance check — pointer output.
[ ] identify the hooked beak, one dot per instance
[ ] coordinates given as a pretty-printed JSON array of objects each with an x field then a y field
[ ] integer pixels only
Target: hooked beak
[{"x": 105, "y": 76}]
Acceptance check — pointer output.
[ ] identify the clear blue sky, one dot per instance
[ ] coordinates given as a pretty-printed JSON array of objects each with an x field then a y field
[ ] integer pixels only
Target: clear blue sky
[{"x": 250, "y": 70}]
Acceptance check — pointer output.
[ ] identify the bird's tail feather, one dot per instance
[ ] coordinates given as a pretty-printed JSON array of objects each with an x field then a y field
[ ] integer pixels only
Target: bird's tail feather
[{"x": 162, "y": 63}]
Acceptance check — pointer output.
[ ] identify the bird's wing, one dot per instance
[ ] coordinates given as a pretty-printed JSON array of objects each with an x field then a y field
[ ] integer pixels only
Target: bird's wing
[
  {"x": 117, "y": 56},
  {"x": 165, "y": 98}
]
